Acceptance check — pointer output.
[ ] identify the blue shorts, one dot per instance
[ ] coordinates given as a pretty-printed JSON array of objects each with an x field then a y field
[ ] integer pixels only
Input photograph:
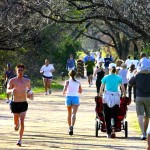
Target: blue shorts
[{"x": 72, "y": 100}]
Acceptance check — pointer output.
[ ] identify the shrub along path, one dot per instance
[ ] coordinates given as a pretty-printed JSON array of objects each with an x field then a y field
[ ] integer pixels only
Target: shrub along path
[{"x": 46, "y": 126}]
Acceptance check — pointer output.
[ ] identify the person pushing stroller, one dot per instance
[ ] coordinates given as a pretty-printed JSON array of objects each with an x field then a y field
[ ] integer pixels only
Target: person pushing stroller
[{"x": 111, "y": 99}]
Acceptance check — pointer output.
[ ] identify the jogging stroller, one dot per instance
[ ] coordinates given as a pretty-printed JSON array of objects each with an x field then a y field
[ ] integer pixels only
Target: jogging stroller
[{"x": 121, "y": 123}]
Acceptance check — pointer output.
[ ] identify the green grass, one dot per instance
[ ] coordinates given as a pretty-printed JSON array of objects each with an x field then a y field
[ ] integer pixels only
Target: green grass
[
  {"x": 133, "y": 123},
  {"x": 2, "y": 96},
  {"x": 55, "y": 85}
]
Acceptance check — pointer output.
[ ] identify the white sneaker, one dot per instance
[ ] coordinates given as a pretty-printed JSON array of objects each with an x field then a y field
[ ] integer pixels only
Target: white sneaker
[
  {"x": 143, "y": 137},
  {"x": 108, "y": 136},
  {"x": 46, "y": 93},
  {"x": 19, "y": 142}
]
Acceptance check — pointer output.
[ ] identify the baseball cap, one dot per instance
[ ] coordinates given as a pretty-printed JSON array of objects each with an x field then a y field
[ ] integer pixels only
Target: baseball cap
[{"x": 111, "y": 65}]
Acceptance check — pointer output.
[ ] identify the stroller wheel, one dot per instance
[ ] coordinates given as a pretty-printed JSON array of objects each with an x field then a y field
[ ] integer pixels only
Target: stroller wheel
[
  {"x": 96, "y": 128},
  {"x": 126, "y": 129}
]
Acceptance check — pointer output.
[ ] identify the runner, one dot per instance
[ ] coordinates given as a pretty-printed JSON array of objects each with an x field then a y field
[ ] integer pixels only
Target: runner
[
  {"x": 90, "y": 68},
  {"x": 19, "y": 86},
  {"x": 71, "y": 88},
  {"x": 47, "y": 71}
]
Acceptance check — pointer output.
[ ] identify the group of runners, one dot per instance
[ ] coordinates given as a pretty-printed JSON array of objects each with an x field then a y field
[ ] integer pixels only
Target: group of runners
[
  {"x": 115, "y": 80},
  {"x": 109, "y": 80}
]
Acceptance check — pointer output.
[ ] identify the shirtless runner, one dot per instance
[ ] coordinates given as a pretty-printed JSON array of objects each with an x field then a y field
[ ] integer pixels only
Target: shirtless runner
[{"x": 19, "y": 86}]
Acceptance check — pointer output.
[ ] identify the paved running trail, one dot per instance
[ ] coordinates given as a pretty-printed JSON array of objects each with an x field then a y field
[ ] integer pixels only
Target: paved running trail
[{"x": 46, "y": 126}]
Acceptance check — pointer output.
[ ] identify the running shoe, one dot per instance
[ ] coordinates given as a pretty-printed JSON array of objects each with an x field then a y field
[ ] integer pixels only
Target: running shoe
[
  {"x": 108, "y": 136},
  {"x": 19, "y": 142},
  {"x": 46, "y": 93},
  {"x": 143, "y": 137},
  {"x": 50, "y": 91},
  {"x": 71, "y": 130}
]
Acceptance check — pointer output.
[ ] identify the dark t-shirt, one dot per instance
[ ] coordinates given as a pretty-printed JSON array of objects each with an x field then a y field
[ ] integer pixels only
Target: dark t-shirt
[
  {"x": 9, "y": 73},
  {"x": 89, "y": 66},
  {"x": 100, "y": 75},
  {"x": 142, "y": 83},
  {"x": 107, "y": 61}
]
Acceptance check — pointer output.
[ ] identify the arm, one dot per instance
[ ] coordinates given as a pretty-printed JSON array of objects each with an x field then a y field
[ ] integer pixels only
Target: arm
[
  {"x": 10, "y": 86},
  {"x": 65, "y": 87},
  {"x": 132, "y": 81},
  {"x": 123, "y": 90},
  {"x": 52, "y": 68},
  {"x": 41, "y": 70},
  {"x": 80, "y": 89},
  {"x": 102, "y": 89},
  {"x": 28, "y": 84},
  {"x": 95, "y": 72},
  {"x": 29, "y": 91}
]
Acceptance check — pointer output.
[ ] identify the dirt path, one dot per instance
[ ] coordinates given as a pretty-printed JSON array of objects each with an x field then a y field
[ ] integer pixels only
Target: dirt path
[{"x": 46, "y": 126}]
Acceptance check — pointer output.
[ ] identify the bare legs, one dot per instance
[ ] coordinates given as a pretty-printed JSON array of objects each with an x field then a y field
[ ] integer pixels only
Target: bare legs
[
  {"x": 20, "y": 116},
  {"x": 143, "y": 123},
  {"x": 90, "y": 78},
  {"x": 72, "y": 110},
  {"x": 47, "y": 84}
]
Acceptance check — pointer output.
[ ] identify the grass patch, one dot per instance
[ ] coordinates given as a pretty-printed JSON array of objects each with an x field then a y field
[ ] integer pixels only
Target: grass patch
[
  {"x": 55, "y": 85},
  {"x": 133, "y": 122},
  {"x": 2, "y": 96}
]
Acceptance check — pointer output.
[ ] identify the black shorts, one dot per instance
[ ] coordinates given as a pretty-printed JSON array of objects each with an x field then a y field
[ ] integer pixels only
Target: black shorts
[
  {"x": 18, "y": 107},
  {"x": 89, "y": 73},
  {"x": 47, "y": 77}
]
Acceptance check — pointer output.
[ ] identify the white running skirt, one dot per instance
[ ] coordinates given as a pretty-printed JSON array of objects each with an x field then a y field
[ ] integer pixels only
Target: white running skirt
[{"x": 111, "y": 98}]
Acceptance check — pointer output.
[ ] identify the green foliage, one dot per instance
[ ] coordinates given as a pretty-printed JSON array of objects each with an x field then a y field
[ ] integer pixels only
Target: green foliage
[
  {"x": 80, "y": 54},
  {"x": 146, "y": 48},
  {"x": 56, "y": 85},
  {"x": 67, "y": 47},
  {"x": 2, "y": 96}
]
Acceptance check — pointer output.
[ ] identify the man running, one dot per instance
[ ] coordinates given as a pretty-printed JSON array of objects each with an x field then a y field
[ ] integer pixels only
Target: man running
[{"x": 19, "y": 86}]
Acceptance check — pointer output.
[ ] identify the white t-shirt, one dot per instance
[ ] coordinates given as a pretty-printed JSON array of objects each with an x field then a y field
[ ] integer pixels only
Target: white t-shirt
[
  {"x": 130, "y": 74},
  {"x": 73, "y": 88},
  {"x": 100, "y": 59},
  {"x": 128, "y": 62},
  {"x": 135, "y": 62},
  {"x": 47, "y": 70},
  {"x": 123, "y": 74}
]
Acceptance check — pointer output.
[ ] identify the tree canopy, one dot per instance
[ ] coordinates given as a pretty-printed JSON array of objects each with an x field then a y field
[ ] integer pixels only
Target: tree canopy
[{"x": 24, "y": 23}]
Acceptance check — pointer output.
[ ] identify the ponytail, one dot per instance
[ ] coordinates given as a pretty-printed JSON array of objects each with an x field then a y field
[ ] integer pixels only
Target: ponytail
[
  {"x": 72, "y": 73},
  {"x": 113, "y": 70}
]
